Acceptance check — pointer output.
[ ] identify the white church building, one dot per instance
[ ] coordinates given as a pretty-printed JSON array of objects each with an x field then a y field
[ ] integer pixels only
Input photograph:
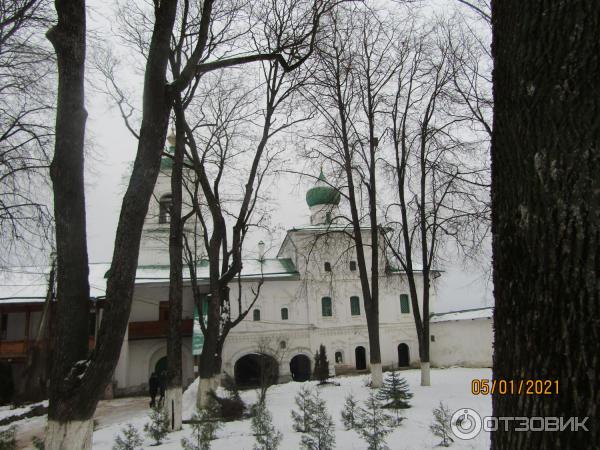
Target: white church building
[{"x": 310, "y": 295}]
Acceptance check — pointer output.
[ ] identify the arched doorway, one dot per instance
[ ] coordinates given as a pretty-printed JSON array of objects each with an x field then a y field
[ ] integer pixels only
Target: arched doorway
[
  {"x": 161, "y": 365},
  {"x": 403, "y": 355},
  {"x": 360, "y": 355},
  {"x": 300, "y": 368},
  {"x": 255, "y": 369}
]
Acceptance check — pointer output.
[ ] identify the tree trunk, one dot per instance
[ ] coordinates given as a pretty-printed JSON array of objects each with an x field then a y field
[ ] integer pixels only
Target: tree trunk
[
  {"x": 174, "y": 362},
  {"x": 546, "y": 207},
  {"x": 76, "y": 388},
  {"x": 66, "y": 172}
]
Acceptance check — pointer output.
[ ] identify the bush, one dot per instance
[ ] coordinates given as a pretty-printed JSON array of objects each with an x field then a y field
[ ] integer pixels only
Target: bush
[
  {"x": 394, "y": 393},
  {"x": 301, "y": 418},
  {"x": 321, "y": 371},
  {"x": 158, "y": 427},
  {"x": 231, "y": 408},
  {"x": 374, "y": 424},
  {"x": 129, "y": 439},
  {"x": 349, "y": 412},
  {"x": 267, "y": 437},
  {"x": 38, "y": 443},
  {"x": 204, "y": 428},
  {"x": 441, "y": 426},
  {"x": 321, "y": 434},
  {"x": 8, "y": 439}
]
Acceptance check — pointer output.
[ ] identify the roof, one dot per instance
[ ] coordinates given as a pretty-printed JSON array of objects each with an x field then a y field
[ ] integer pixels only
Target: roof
[
  {"x": 29, "y": 284},
  {"x": 463, "y": 314},
  {"x": 322, "y": 193}
]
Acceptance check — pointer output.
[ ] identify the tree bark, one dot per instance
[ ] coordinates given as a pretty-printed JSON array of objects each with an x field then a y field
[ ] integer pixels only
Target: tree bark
[
  {"x": 77, "y": 383},
  {"x": 546, "y": 207},
  {"x": 66, "y": 172}
]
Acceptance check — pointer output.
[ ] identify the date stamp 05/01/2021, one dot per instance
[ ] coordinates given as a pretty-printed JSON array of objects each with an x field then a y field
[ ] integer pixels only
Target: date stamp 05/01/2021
[{"x": 486, "y": 386}]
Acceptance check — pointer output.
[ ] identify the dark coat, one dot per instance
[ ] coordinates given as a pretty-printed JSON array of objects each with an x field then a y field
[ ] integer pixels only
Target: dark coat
[{"x": 153, "y": 384}]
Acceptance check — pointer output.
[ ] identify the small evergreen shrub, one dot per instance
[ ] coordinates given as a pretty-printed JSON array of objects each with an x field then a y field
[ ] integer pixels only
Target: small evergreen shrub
[
  {"x": 394, "y": 393},
  {"x": 267, "y": 437},
  {"x": 349, "y": 412},
  {"x": 441, "y": 426},
  {"x": 321, "y": 371},
  {"x": 38, "y": 443},
  {"x": 374, "y": 424},
  {"x": 229, "y": 408},
  {"x": 204, "y": 428},
  {"x": 301, "y": 418},
  {"x": 8, "y": 439},
  {"x": 129, "y": 439},
  {"x": 158, "y": 427},
  {"x": 321, "y": 433}
]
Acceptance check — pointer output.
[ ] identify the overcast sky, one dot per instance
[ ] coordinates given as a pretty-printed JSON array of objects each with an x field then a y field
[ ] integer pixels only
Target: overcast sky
[{"x": 113, "y": 149}]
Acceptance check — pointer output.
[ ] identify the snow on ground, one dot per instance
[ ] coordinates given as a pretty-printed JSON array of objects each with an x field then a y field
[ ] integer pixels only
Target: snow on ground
[{"x": 452, "y": 386}]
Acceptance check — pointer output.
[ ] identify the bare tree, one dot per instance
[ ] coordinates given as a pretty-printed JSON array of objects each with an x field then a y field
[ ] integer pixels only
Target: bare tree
[
  {"x": 546, "y": 217},
  {"x": 439, "y": 178},
  {"x": 349, "y": 88},
  {"x": 26, "y": 68}
]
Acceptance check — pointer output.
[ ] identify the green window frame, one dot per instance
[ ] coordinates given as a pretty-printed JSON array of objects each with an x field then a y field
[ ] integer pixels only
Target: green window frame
[
  {"x": 284, "y": 314},
  {"x": 354, "y": 306},
  {"x": 353, "y": 265},
  {"x": 404, "y": 304},
  {"x": 326, "y": 308},
  {"x": 256, "y": 315}
]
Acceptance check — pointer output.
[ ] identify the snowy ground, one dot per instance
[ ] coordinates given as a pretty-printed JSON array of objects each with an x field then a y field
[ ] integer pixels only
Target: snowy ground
[{"x": 452, "y": 386}]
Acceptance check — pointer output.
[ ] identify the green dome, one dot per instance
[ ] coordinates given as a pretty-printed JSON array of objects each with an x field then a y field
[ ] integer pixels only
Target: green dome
[{"x": 322, "y": 194}]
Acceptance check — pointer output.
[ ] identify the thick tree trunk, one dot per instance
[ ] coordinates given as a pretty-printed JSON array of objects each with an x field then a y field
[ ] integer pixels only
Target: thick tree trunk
[
  {"x": 66, "y": 171},
  {"x": 76, "y": 388},
  {"x": 546, "y": 207},
  {"x": 174, "y": 362}
]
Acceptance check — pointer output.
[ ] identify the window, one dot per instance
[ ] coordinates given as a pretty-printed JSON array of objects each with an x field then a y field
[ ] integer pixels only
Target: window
[
  {"x": 404, "y": 305},
  {"x": 256, "y": 315},
  {"x": 354, "y": 306},
  {"x": 163, "y": 311},
  {"x": 328, "y": 217},
  {"x": 164, "y": 208},
  {"x": 284, "y": 314},
  {"x": 326, "y": 307},
  {"x": 282, "y": 344},
  {"x": 327, "y": 267},
  {"x": 339, "y": 357},
  {"x": 432, "y": 338},
  {"x": 353, "y": 265}
]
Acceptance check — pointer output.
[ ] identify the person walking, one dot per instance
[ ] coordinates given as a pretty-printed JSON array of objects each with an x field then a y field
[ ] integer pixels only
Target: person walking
[
  {"x": 162, "y": 383},
  {"x": 153, "y": 385}
]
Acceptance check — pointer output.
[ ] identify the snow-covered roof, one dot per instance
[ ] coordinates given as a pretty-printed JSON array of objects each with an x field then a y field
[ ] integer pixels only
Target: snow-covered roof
[
  {"x": 465, "y": 314},
  {"x": 29, "y": 284}
]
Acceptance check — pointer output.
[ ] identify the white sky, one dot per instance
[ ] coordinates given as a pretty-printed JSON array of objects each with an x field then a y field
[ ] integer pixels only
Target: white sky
[{"x": 114, "y": 149}]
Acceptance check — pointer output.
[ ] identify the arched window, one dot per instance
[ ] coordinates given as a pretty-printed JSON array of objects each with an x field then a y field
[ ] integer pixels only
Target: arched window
[
  {"x": 164, "y": 208},
  {"x": 284, "y": 314},
  {"x": 327, "y": 267},
  {"x": 326, "y": 309},
  {"x": 339, "y": 357},
  {"x": 355, "y": 306},
  {"x": 256, "y": 315}
]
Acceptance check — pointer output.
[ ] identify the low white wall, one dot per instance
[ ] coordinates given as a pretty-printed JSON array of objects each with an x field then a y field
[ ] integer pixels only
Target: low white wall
[{"x": 466, "y": 343}]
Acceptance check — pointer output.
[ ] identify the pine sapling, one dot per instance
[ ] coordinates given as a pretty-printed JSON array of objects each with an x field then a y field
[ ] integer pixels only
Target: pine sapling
[
  {"x": 158, "y": 427},
  {"x": 321, "y": 433},
  {"x": 349, "y": 412},
  {"x": 267, "y": 437},
  {"x": 441, "y": 425},
  {"x": 374, "y": 424},
  {"x": 8, "y": 439},
  {"x": 301, "y": 418},
  {"x": 129, "y": 439},
  {"x": 321, "y": 371},
  {"x": 394, "y": 393},
  {"x": 205, "y": 424}
]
